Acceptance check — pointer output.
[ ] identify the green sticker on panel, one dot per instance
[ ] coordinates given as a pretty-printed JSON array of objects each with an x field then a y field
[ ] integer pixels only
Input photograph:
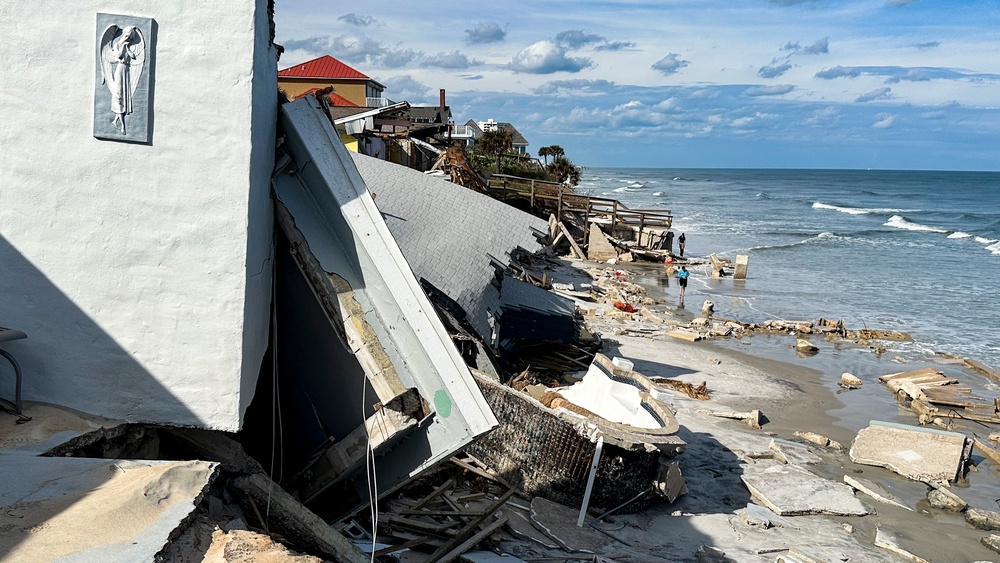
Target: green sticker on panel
[{"x": 442, "y": 403}]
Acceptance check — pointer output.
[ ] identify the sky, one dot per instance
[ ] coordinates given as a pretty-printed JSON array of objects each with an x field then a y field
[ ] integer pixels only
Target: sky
[{"x": 882, "y": 84}]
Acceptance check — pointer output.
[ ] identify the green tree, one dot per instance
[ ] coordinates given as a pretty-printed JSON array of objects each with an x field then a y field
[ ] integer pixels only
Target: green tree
[
  {"x": 561, "y": 169},
  {"x": 544, "y": 153},
  {"x": 551, "y": 150},
  {"x": 496, "y": 143}
]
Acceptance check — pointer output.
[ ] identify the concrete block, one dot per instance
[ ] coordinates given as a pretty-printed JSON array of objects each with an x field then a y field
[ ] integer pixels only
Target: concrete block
[
  {"x": 790, "y": 490},
  {"x": 917, "y": 453}
]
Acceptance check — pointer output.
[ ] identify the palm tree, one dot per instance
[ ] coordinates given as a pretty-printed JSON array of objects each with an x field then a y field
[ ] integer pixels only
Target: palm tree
[
  {"x": 556, "y": 151},
  {"x": 562, "y": 170},
  {"x": 496, "y": 143},
  {"x": 544, "y": 153}
]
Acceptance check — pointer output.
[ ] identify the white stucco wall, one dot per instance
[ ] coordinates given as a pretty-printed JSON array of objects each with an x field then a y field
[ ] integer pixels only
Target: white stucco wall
[{"x": 141, "y": 273}]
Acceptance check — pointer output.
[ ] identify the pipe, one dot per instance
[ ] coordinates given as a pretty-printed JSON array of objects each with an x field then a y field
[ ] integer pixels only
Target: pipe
[{"x": 590, "y": 481}]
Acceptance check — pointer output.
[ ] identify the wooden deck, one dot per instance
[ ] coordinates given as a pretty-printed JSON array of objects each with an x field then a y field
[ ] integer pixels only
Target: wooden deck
[{"x": 613, "y": 216}]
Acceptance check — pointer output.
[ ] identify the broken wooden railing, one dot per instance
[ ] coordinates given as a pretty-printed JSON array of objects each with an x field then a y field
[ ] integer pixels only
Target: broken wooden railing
[{"x": 544, "y": 197}]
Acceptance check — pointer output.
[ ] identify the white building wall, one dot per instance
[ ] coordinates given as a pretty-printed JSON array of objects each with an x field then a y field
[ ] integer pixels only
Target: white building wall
[{"x": 141, "y": 273}]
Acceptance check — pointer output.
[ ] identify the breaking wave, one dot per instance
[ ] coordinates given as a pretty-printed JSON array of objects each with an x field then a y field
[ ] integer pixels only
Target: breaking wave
[
  {"x": 959, "y": 234},
  {"x": 855, "y": 210},
  {"x": 822, "y": 236},
  {"x": 994, "y": 248},
  {"x": 657, "y": 194},
  {"x": 900, "y": 222}
]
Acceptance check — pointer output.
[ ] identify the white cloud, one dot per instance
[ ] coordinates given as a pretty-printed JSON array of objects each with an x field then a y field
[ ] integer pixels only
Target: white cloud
[
  {"x": 776, "y": 90},
  {"x": 883, "y": 93},
  {"x": 545, "y": 57},
  {"x": 670, "y": 64},
  {"x": 884, "y": 121}
]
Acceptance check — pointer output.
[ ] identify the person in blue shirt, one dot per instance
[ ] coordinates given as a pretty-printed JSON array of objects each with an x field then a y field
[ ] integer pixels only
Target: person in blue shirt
[{"x": 682, "y": 280}]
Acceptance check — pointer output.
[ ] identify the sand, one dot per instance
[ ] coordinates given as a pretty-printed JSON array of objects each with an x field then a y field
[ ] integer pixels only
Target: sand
[{"x": 794, "y": 394}]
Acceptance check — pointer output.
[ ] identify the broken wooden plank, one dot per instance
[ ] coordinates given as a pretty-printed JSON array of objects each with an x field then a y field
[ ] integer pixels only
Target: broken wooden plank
[
  {"x": 434, "y": 494},
  {"x": 471, "y": 542},
  {"x": 987, "y": 450},
  {"x": 572, "y": 242},
  {"x": 399, "y": 547},
  {"x": 464, "y": 534},
  {"x": 288, "y": 517},
  {"x": 472, "y": 468},
  {"x": 436, "y": 528}
]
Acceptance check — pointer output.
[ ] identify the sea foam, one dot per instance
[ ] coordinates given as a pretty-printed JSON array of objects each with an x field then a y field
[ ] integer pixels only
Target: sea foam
[
  {"x": 959, "y": 234},
  {"x": 857, "y": 210},
  {"x": 851, "y": 210},
  {"x": 900, "y": 222}
]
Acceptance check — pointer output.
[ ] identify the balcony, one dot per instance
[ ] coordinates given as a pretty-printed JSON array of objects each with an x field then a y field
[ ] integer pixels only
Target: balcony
[{"x": 378, "y": 102}]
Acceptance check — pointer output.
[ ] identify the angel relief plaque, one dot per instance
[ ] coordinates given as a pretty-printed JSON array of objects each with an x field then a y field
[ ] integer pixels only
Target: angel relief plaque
[{"x": 123, "y": 91}]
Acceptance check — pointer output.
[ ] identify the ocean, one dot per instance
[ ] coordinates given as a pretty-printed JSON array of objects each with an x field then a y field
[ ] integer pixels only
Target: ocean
[{"x": 911, "y": 251}]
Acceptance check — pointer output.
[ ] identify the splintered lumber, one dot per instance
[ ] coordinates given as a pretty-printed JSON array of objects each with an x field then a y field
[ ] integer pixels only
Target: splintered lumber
[
  {"x": 288, "y": 517},
  {"x": 700, "y": 392},
  {"x": 987, "y": 450},
  {"x": 572, "y": 242},
  {"x": 931, "y": 386},
  {"x": 451, "y": 548},
  {"x": 434, "y": 494}
]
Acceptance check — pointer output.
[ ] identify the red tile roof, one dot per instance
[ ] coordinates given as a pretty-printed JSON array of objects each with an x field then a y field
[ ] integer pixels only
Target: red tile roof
[
  {"x": 323, "y": 67},
  {"x": 335, "y": 98}
]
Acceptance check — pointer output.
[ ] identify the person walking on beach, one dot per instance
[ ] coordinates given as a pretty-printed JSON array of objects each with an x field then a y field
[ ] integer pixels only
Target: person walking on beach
[
  {"x": 680, "y": 244},
  {"x": 682, "y": 281}
]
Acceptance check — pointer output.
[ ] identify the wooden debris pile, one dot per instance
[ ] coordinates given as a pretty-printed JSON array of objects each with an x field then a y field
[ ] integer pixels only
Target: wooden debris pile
[
  {"x": 454, "y": 163},
  {"x": 935, "y": 398},
  {"x": 462, "y": 507}
]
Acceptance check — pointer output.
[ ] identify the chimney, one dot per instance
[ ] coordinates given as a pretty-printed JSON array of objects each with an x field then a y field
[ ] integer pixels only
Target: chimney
[{"x": 442, "y": 99}]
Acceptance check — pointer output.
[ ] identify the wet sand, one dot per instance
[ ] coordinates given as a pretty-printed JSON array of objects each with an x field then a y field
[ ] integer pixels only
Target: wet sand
[{"x": 795, "y": 394}]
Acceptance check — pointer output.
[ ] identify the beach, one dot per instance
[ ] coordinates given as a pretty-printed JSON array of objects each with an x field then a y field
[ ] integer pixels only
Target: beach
[{"x": 795, "y": 394}]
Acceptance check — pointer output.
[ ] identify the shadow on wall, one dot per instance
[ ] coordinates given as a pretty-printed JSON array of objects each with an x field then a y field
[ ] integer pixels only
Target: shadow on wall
[{"x": 68, "y": 359}]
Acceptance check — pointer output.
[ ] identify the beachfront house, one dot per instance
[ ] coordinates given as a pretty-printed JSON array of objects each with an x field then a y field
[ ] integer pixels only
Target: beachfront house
[{"x": 350, "y": 84}]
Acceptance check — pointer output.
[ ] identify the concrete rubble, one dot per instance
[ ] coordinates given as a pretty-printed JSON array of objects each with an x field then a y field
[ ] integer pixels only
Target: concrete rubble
[
  {"x": 790, "y": 490},
  {"x": 875, "y": 491},
  {"x": 920, "y": 454},
  {"x": 892, "y": 541}
]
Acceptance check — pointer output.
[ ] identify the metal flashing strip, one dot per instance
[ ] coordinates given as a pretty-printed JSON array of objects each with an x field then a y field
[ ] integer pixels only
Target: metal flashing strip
[{"x": 344, "y": 235}]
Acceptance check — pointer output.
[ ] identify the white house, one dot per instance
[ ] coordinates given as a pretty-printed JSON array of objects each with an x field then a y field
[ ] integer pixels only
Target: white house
[{"x": 135, "y": 218}]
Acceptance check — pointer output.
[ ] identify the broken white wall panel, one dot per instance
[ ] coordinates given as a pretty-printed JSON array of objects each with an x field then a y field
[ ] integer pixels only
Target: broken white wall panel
[
  {"x": 139, "y": 268},
  {"x": 918, "y": 453},
  {"x": 370, "y": 297}
]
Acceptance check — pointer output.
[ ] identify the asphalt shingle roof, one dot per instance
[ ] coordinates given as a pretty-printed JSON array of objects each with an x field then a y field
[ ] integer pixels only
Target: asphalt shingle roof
[{"x": 447, "y": 234}]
